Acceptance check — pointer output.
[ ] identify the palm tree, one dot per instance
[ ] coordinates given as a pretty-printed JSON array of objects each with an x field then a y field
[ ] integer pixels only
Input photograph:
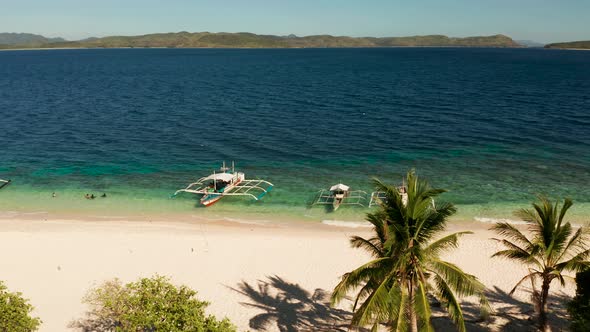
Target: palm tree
[
  {"x": 394, "y": 287},
  {"x": 550, "y": 251}
]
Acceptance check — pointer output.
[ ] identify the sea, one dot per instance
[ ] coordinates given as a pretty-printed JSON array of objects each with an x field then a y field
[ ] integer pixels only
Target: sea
[{"x": 494, "y": 127}]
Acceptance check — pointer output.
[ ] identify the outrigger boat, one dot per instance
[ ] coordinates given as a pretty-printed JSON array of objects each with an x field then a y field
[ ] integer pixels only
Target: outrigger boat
[
  {"x": 4, "y": 183},
  {"x": 340, "y": 194},
  {"x": 227, "y": 182}
]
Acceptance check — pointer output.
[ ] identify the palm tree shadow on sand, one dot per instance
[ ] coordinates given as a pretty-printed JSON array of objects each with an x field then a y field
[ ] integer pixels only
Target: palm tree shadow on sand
[
  {"x": 509, "y": 314},
  {"x": 291, "y": 308}
]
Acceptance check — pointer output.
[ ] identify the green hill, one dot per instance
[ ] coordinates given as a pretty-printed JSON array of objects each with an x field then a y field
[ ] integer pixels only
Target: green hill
[
  {"x": 576, "y": 44},
  {"x": 8, "y": 38},
  {"x": 250, "y": 40}
]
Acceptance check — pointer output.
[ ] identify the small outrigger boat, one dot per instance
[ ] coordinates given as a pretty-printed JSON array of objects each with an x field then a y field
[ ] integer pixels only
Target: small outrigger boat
[
  {"x": 340, "y": 194},
  {"x": 227, "y": 182},
  {"x": 4, "y": 183}
]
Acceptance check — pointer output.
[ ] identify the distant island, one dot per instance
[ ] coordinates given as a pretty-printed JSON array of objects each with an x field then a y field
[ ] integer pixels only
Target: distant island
[
  {"x": 581, "y": 45},
  {"x": 9, "y": 38},
  {"x": 250, "y": 40},
  {"x": 530, "y": 43}
]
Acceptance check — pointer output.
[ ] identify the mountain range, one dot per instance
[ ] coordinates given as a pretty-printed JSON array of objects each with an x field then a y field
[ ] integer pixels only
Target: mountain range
[
  {"x": 10, "y": 38},
  {"x": 249, "y": 40}
]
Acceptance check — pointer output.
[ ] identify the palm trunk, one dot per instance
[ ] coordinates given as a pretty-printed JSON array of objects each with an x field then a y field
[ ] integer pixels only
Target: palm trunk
[{"x": 543, "y": 326}]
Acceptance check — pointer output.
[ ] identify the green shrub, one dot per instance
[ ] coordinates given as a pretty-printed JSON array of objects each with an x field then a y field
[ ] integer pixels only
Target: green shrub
[
  {"x": 15, "y": 312},
  {"x": 149, "y": 304},
  {"x": 579, "y": 307}
]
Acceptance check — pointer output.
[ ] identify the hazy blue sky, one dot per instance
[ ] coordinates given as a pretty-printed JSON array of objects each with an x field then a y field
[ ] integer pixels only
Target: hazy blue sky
[{"x": 540, "y": 20}]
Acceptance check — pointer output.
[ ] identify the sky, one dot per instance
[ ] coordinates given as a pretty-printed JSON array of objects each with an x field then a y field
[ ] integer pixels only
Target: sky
[{"x": 538, "y": 20}]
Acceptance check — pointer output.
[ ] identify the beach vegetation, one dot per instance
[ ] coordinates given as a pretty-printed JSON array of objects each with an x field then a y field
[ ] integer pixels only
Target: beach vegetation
[
  {"x": 149, "y": 304},
  {"x": 579, "y": 307},
  {"x": 396, "y": 287},
  {"x": 15, "y": 312},
  {"x": 551, "y": 248}
]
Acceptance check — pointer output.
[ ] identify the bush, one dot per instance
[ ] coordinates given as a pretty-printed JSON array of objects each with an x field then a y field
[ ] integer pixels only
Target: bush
[
  {"x": 579, "y": 307},
  {"x": 15, "y": 312},
  {"x": 149, "y": 304}
]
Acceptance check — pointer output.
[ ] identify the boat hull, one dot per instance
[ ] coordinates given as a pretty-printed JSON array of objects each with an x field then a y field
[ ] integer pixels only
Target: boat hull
[
  {"x": 210, "y": 199},
  {"x": 338, "y": 198}
]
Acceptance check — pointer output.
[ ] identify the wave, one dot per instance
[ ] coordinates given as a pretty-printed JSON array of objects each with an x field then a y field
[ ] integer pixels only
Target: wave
[
  {"x": 510, "y": 221},
  {"x": 499, "y": 220},
  {"x": 349, "y": 224},
  {"x": 246, "y": 221}
]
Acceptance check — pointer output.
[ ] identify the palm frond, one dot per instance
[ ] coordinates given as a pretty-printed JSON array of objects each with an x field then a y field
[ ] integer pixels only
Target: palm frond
[
  {"x": 567, "y": 203},
  {"x": 577, "y": 242},
  {"x": 422, "y": 307},
  {"x": 399, "y": 309},
  {"x": 378, "y": 219},
  {"x": 445, "y": 294},
  {"x": 517, "y": 253},
  {"x": 367, "y": 245},
  {"x": 364, "y": 292},
  {"x": 547, "y": 220},
  {"x": 354, "y": 279},
  {"x": 448, "y": 242},
  {"x": 432, "y": 221},
  {"x": 527, "y": 216},
  {"x": 559, "y": 241},
  {"x": 528, "y": 276},
  {"x": 511, "y": 232},
  {"x": 575, "y": 264},
  {"x": 461, "y": 283},
  {"x": 556, "y": 274},
  {"x": 376, "y": 307}
]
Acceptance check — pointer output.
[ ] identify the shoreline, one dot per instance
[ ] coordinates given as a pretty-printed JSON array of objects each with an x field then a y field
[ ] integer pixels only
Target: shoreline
[
  {"x": 355, "y": 219},
  {"x": 220, "y": 218}
]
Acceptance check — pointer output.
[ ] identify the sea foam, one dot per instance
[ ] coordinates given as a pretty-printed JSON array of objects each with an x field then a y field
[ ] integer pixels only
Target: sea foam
[
  {"x": 509, "y": 221},
  {"x": 499, "y": 220},
  {"x": 350, "y": 224}
]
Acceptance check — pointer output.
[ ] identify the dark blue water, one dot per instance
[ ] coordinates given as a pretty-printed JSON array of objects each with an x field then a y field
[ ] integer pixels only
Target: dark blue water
[{"x": 494, "y": 126}]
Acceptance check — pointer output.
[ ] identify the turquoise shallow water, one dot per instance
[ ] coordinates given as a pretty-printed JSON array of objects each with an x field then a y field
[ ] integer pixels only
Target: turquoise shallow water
[{"x": 494, "y": 127}]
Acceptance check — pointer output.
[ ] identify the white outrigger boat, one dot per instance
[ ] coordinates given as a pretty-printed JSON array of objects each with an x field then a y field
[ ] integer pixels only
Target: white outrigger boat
[
  {"x": 226, "y": 183},
  {"x": 4, "y": 183},
  {"x": 340, "y": 194}
]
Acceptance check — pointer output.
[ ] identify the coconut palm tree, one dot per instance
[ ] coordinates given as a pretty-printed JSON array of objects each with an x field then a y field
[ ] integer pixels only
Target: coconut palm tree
[
  {"x": 554, "y": 247},
  {"x": 394, "y": 287}
]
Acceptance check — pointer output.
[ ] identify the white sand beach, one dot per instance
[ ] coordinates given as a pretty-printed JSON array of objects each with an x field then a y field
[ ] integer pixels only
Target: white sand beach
[{"x": 54, "y": 262}]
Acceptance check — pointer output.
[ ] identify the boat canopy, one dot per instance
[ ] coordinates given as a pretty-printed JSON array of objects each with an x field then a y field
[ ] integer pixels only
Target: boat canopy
[
  {"x": 227, "y": 177},
  {"x": 339, "y": 186}
]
